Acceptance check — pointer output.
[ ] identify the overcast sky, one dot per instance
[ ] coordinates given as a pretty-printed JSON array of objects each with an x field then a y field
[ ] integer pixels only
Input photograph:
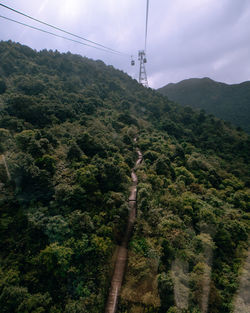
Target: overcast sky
[{"x": 186, "y": 38}]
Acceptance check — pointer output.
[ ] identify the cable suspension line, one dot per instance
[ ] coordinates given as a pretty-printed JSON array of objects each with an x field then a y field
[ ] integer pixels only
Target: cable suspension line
[
  {"x": 146, "y": 29},
  {"x": 64, "y": 31},
  {"x": 56, "y": 35}
]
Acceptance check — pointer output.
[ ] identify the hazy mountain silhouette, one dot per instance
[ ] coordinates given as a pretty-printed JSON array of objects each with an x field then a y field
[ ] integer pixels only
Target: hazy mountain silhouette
[{"x": 229, "y": 102}]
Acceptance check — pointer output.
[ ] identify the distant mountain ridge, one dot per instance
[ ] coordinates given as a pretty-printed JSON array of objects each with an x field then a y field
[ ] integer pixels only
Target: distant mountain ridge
[{"x": 229, "y": 102}]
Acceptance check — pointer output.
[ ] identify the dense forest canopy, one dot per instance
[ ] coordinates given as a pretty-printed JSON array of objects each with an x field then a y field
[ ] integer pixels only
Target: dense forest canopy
[
  {"x": 229, "y": 102},
  {"x": 67, "y": 125}
]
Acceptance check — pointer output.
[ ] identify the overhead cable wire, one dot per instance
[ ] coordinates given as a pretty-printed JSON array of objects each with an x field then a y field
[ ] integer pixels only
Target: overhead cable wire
[
  {"x": 146, "y": 29},
  {"x": 56, "y": 35},
  {"x": 62, "y": 30}
]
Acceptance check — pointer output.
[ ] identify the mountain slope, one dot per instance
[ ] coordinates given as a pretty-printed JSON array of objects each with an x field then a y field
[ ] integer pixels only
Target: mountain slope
[
  {"x": 229, "y": 102},
  {"x": 67, "y": 126}
]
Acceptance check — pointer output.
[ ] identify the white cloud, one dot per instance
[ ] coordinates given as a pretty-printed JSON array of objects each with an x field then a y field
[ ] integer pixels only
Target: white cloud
[{"x": 191, "y": 38}]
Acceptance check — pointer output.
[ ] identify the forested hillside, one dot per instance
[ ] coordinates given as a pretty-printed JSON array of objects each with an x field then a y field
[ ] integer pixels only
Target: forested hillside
[
  {"x": 229, "y": 102},
  {"x": 67, "y": 125}
]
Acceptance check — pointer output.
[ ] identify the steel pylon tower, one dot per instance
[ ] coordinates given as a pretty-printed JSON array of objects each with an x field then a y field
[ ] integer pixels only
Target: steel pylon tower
[{"x": 142, "y": 74}]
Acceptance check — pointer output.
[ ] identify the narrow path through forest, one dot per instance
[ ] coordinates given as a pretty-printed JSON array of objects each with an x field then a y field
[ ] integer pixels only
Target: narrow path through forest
[{"x": 122, "y": 254}]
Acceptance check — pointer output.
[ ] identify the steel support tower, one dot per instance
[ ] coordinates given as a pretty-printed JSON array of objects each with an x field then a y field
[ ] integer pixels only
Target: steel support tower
[{"x": 142, "y": 74}]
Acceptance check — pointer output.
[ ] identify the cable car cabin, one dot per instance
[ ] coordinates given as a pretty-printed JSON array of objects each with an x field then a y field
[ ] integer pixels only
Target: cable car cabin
[
  {"x": 132, "y": 62},
  {"x": 144, "y": 60}
]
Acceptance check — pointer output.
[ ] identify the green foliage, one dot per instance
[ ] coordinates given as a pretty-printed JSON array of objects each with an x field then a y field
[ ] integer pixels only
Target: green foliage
[
  {"x": 165, "y": 286},
  {"x": 3, "y": 86},
  {"x": 47, "y": 163},
  {"x": 67, "y": 131},
  {"x": 183, "y": 174},
  {"x": 24, "y": 139},
  {"x": 54, "y": 260},
  {"x": 74, "y": 152},
  {"x": 86, "y": 177},
  {"x": 29, "y": 86},
  {"x": 14, "y": 298},
  {"x": 37, "y": 303},
  {"x": 229, "y": 102}
]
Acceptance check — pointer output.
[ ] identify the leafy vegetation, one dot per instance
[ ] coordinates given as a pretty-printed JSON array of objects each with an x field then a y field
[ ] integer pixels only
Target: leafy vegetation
[
  {"x": 229, "y": 102},
  {"x": 67, "y": 127}
]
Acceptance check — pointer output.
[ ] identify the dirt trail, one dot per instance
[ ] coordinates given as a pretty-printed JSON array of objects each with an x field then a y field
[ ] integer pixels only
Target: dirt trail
[{"x": 122, "y": 254}]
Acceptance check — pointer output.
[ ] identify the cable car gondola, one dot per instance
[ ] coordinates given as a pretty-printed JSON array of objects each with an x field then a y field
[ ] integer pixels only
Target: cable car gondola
[{"x": 132, "y": 61}]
